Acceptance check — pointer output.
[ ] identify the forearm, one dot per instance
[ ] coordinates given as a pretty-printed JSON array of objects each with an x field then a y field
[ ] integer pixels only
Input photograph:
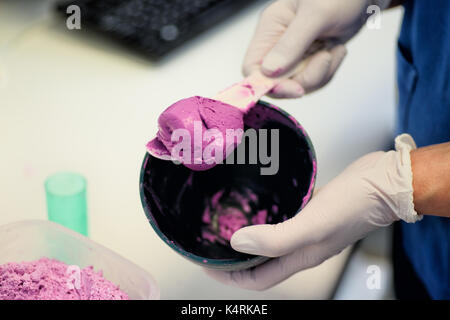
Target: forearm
[{"x": 431, "y": 179}]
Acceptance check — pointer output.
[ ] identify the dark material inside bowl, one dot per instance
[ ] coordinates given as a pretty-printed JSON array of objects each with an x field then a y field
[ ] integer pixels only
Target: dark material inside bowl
[{"x": 174, "y": 197}]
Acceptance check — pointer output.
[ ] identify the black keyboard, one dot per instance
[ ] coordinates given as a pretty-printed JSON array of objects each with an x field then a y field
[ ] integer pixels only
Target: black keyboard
[{"x": 153, "y": 27}]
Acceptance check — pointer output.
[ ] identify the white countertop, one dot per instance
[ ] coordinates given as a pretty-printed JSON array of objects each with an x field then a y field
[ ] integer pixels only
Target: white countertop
[{"x": 78, "y": 103}]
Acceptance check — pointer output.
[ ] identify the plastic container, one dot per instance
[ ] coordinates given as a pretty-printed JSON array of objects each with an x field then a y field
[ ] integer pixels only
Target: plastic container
[
  {"x": 33, "y": 239},
  {"x": 174, "y": 197}
]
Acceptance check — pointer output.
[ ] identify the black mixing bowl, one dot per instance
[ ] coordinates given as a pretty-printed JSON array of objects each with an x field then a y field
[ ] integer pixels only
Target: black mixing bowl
[{"x": 174, "y": 197}]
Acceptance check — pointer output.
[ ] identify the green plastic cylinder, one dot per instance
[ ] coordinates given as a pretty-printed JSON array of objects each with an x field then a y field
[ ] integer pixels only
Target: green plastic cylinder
[{"x": 66, "y": 200}]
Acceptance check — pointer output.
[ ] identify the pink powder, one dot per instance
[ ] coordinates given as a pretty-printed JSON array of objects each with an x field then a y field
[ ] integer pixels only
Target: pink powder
[
  {"x": 49, "y": 279},
  {"x": 230, "y": 221},
  {"x": 243, "y": 201},
  {"x": 260, "y": 217},
  {"x": 211, "y": 237},
  {"x": 274, "y": 208},
  {"x": 206, "y": 218},
  {"x": 216, "y": 197},
  {"x": 226, "y": 213}
]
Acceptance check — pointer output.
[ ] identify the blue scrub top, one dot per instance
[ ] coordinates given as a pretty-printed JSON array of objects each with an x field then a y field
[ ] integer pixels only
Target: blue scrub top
[{"x": 423, "y": 75}]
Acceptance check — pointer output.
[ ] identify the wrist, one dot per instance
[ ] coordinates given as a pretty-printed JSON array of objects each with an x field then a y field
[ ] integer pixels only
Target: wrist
[
  {"x": 431, "y": 179},
  {"x": 422, "y": 190}
]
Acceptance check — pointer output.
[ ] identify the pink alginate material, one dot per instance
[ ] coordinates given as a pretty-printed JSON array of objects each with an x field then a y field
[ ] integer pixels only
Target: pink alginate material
[
  {"x": 196, "y": 115},
  {"x": 50, "y": 279}
]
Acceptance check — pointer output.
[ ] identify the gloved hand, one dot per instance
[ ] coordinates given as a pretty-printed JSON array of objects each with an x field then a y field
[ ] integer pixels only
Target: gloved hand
[
  {"x": 291, "y": 30},
  {"x": 372, "y": 192}
]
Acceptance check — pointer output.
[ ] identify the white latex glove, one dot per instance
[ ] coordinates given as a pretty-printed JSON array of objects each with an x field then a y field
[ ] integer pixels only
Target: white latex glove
[
  {"x": 372, "y": 192},
  {"x": 291, "y": 31}
]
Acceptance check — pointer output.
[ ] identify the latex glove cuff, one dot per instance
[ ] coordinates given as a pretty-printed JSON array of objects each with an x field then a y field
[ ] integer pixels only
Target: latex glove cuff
[{"x": 404, "y": 143}]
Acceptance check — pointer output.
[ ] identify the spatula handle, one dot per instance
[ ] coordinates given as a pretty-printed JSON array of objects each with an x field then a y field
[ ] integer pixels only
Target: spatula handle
[{"x": 246, "y": 93}]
